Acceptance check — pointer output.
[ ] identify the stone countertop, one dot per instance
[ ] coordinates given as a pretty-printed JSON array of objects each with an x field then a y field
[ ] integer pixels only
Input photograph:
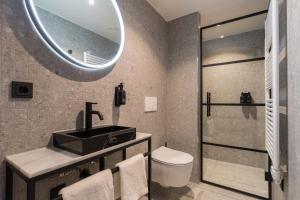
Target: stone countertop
[{"x": 40, "y": 161}]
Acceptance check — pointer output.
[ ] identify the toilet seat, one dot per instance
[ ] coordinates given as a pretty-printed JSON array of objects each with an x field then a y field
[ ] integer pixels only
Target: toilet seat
[{"x": 171, "y": 157}]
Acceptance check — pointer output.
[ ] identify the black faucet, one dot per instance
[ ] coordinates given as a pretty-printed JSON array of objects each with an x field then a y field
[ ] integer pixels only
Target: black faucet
[{"x": 89, "y": 112}]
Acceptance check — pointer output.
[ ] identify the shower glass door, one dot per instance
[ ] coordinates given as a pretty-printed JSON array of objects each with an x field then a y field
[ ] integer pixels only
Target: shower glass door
[{"x": 232, "y": 115}]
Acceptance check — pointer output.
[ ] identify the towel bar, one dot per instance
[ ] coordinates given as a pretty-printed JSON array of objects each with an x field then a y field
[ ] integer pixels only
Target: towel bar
[{"x": 113, "y": 170}]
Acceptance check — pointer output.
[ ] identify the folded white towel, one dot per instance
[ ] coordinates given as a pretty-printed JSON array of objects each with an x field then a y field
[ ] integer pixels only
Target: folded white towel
[
  {"x": 96, "y": 187},
  {"x": 133, "y": 178}
]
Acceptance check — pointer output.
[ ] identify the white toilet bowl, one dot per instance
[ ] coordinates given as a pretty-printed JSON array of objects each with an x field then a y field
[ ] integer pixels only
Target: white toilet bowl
[{"x": 171, "y": 168}]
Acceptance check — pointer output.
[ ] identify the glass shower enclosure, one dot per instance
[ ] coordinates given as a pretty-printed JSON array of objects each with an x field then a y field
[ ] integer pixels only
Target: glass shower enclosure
[{"x": 233, "y": 150}]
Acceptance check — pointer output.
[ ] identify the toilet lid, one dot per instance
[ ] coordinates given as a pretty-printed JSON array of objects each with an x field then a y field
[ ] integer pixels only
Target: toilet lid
[{"x": 171, "y": 156}]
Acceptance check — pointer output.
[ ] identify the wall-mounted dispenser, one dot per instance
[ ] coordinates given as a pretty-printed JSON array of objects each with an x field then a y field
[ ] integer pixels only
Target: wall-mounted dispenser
[
  {"x": 246, "y": 98},
  {"x": 120, "y": 95}
]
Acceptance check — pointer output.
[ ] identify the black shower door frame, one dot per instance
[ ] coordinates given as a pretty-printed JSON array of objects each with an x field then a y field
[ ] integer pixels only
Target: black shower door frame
[{"x": 202, "y": 143}]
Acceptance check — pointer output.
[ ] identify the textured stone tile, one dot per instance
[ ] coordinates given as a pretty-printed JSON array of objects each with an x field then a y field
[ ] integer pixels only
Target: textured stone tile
[
  {"x": 182, "y": 88},
  {"x": 195, "y": 192},
  {"x": 236, "y": 156},
  {"x": 235, "y": 126},
  {"x": 236, "y": 47},
  {"x": 293, "y": 28},
  {"x": 60, "y": 91},
  {"x": 278, "y": 194},
  {"x": 225, "y": 83}
]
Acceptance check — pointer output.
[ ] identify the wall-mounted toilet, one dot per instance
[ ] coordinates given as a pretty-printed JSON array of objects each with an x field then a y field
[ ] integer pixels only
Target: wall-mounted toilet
[{"x": 171, "y": 168}]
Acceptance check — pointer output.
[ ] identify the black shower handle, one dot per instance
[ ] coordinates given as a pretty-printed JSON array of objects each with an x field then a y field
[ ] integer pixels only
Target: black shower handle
[{"x": 208, "y": 96}]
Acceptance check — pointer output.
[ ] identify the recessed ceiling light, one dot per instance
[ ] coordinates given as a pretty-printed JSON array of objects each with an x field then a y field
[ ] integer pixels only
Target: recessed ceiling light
[
  {"x": 222, "y": 36},
  {"x": 91, "y": 2}
]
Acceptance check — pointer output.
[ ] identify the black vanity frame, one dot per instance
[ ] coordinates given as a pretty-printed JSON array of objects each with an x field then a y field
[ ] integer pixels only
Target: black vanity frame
[
  {"x": 31, "y": 182},
  {"x": 209, "y": 104}
]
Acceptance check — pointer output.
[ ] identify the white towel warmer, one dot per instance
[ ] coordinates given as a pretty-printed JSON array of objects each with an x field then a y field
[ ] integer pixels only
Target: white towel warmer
[
  {"x": 272, "y": 90},
  {"x": 92, "y": 59}
]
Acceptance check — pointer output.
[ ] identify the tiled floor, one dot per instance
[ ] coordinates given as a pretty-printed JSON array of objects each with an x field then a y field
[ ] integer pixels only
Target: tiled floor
[
  {"x": 245, "y": 178},
  {"x": 241, "y": 177},
  {"x": 195, "y": 192}
]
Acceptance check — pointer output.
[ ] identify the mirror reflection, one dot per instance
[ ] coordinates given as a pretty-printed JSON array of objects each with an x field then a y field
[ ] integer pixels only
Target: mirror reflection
[{"x": 87, "y": 30}]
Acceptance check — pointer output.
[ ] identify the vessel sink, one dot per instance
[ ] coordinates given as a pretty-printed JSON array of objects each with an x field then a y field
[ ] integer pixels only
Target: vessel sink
[{"x": 84, "y": 142}]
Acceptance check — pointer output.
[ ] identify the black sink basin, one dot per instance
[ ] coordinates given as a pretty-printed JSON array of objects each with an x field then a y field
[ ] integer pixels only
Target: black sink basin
[{"x": 83, "y": 142}]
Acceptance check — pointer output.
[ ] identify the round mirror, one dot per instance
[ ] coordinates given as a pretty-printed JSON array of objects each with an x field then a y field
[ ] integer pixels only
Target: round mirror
[{"x": 85, "y": 33}]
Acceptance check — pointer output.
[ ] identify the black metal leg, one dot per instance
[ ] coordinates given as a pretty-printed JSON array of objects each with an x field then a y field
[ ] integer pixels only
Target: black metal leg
[
  {"x": 101, "y": 164},
  {"x": 124, "y": 156},
  {"x": 9, "y": 183},
  {"x": 269, "y": 181},
  {"x": 30, "y": 190},
  {"x": 149, "y": 168}
]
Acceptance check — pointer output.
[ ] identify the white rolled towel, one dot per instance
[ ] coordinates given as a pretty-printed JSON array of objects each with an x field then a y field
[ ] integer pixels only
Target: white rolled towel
[
  {"x": 96, "y": 187},
  {"x": 133, "y": 178}
]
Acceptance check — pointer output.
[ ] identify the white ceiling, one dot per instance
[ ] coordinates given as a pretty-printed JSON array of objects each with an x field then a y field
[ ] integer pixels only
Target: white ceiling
[
  {"x": 212, "y": 11},
  {"x": 99, "y": 18}
]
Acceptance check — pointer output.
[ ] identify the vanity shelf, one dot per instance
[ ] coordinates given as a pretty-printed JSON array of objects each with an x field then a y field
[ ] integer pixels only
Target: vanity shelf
[{"x": 39, "y": 164}]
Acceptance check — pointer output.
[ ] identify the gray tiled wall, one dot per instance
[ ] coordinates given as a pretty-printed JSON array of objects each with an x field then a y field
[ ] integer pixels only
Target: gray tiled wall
[
  {"x": 293, "y": 72},
  {"x": 235, "y": 126},
  {"x": 236, "y": 156},
  {"x": 226, "y": 82},
  {"x": 182, "y": 88},
  {"x": 60, "y": 92},
  {"x": 235, "y": 47}
]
